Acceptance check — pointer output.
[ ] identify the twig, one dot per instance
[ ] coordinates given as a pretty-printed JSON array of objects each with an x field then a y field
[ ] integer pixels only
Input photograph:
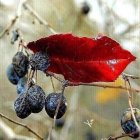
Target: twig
[
  {"x": 121, "y": 136},
  {"x": 39, "y": 18},
  {"x": 130, "y": 104},
  {"x": 57, "y": 109},
  {"x": 131, "y": 76},
  {"x": 13, "y": 22},
  {"x": 10, "y": 134},
  {"x": 20, "y": 124},
  {"x": 52, "y": 84},
  {"x": 70, "y": 119},
  {"x": 92, "y": 84}
]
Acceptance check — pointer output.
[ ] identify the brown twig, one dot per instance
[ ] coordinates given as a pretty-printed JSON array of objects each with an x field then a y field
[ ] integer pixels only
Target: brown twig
[
  {"x": 20, "y": 124},
  {"x": 121, "y": 136},
  {"x": 130, "y": 76},
  {"x": 57, "y": 109},
  {"x": 92, "y": 84},
  {"x": 14, "y": 20},
  {"x": 130, "y": 102},
  {"x": 39, "y": 18},
  {"x": 52, "y": 84}
]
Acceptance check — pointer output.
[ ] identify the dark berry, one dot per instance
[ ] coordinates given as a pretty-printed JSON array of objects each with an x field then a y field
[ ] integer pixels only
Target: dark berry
[
  {"x": 39, "y": 61},
  {"x": 128, "y": 124},
  {"x": 21, "y": 106},
  {"x": 15, "y": 36},
  {"x": 59, "y": 123},
  {"x": 20, "y": 63},
  {"x": 51, "y": 103},
  {"x": 12, "y": 75},
  {"x": 36, "y": 98},
  {"x": 85, "y": 8},
  {"x": 22, "y": 85}
]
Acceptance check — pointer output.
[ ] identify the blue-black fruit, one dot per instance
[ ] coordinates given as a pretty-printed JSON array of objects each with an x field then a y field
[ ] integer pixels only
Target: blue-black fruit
[
  {"x": 51, "y": 103},
  {"x": 12, "y": 75},
  {"x": 22, "y": 107},
  {"x": 128, "y": 124},
  {"x": 36, "y": 98},
  {"x": 39, "y": 61},
  {"x": 22, "y": 85},
  {"x": 21, "y": 63}
]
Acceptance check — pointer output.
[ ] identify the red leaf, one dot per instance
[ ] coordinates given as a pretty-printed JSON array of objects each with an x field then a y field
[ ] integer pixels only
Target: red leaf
[{"x": 84, "y": 59}]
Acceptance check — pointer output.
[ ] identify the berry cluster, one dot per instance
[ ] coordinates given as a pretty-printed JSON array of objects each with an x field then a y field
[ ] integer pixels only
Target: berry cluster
[
  {"x": 31, "y": 98},
  {"x": 18, "y": 68}
]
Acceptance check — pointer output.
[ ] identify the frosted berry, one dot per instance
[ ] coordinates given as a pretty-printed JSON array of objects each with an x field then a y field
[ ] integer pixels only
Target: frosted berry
[
  {"x": 21, "y": 106},
  {"x": 128, "y": 124},
  {"x": 39, "y": 61},
  {"x": 51, "y": 102},
  {"x": 12, "y": 75},
  {"x": 22, "y": 85},
  {"x": 85, "y": 8},
  {"x": 20, "y": 63},
  {"x": 36, "y": 98}
]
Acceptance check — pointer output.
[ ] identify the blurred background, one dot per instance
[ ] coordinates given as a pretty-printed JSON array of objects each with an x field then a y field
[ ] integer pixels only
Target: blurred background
[{"x": 119, "y": 20}]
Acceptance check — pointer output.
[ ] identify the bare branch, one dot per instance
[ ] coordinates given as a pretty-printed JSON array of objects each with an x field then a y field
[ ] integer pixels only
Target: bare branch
[
  {"x": 20, "y": 124},
  {"x": 9, "y": 133},
  {"x": 130, "y": 76},
  {"x": 57, "y": 109},
  {"x": 130, "y": 104},
  {"x": 39, "y": 18},
  {"x": 14, "y": 20},
  {"x": 121, "y": 136},
  {"x": 92, "y": 84}
]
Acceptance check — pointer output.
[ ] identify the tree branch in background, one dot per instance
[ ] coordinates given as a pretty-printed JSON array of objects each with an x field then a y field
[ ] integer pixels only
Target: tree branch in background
[
  {"x": 14, "y": 20},
  {"x": 39, "y": 18},
  {"x": 20, "y": 124},
  {"x": 9, "y": 133}
]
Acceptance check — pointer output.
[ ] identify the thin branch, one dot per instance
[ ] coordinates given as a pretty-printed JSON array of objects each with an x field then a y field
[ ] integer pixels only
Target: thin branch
[
  {"x": 52, "y": 84},
  {"x": 14, "y": 20},
  {"x": 23, "y": 125},
  {"x": 57, "y": 109},
  {"x": 10, "y": 134},
  {"x": 39, "y": 18},
  {"x": 121, "y": 136},
  {"x": 130, "y": 104},
  {"x": 92, "y": 84},
  {"x": 131, "y": 76}
]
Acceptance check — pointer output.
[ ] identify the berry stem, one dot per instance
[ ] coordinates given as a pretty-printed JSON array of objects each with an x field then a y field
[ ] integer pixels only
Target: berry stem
[
  {"x": 52, "y": 84},
  {"x": 57, "y": 109},
  {"x": 126, "y": 80}
]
